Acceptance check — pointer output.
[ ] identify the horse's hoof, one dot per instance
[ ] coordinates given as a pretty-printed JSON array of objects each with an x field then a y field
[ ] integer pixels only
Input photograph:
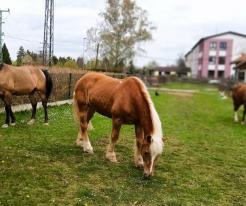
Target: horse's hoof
[
  {"x": 13, "y": 124},
  {"x": 31, "y": 122},
  {"x": 5, "y": 126},
  {"x": 111, "y": 157},
  {"x": 89, "y": 151},
  {"x": 242, "y": 123},
  {"x": 46, "y": 124}
]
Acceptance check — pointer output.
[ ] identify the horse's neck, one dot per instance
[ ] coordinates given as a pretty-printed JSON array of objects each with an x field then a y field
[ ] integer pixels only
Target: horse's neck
[
  {"x": 146, "y": 120},
  {"x": 150, "y": 121}
]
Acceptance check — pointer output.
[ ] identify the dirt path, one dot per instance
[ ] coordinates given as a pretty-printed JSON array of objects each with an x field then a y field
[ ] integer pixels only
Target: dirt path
[{"x": 25, "y": 107}]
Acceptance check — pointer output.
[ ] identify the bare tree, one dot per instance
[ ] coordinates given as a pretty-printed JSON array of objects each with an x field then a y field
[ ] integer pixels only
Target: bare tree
[{"x": 124, "y": 25}]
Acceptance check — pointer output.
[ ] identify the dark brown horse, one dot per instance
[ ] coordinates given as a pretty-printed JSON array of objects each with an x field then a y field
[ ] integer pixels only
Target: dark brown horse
[
  {"x": 127, "y": 102},
  {"x": 25, "y": 80},
  {"x": 239, "y": 98}
]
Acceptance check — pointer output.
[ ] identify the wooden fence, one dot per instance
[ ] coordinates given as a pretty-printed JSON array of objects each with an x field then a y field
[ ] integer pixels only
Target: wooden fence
[{"x": 63, "y": 86}]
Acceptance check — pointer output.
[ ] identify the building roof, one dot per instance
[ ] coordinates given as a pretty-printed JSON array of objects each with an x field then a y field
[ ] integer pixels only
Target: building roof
[
  {"x": 240, "y": 62},
  {"x": 213, "y": 36}
]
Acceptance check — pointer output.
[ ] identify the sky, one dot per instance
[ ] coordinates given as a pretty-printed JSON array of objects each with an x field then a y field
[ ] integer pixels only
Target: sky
[{"x": 180, "y": 24}]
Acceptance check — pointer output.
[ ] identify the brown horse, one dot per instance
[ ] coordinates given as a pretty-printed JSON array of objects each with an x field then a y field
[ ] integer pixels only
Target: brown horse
[
  {"x": 25, "y": 80},
  {"x": 127, "y": 102},
  {"x": 239, "y": 98}
]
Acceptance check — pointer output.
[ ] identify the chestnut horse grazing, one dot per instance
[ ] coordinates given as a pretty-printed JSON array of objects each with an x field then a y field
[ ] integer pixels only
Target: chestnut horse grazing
[
  {"x": 25, "y": 80},
  {"x": 239, "y": 98},
  {"x": 127, "y": 102}
]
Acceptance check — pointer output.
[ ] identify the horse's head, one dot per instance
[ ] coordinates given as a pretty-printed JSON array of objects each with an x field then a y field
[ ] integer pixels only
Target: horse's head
[{"x": 151, "y": 149}]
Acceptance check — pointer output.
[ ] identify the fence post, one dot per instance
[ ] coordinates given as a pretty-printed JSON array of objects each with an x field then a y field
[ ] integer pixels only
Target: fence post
[{"x": 69, "y": 85}]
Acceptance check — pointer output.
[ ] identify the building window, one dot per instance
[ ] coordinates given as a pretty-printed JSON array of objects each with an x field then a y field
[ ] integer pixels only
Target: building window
[
  {"x": 211, "y": 74},
  {"x": 221, "y": 74},
  {"x": 223, "y": 45},
  {"x": 213, "y": 45},
  {"x": 212, "y": 60},
  {"x": 241, "y": 76},
  {"x": 222, "y": 60}
]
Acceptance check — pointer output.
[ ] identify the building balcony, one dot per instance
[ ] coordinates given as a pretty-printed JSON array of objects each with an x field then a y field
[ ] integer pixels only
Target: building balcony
[
  {"x": 211, "y": 67},
  {"x": 221, "y": 67}
]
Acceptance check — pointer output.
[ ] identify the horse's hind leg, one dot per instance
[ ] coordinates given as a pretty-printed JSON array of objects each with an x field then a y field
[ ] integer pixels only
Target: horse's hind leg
[
  {"x": 44, "y": 103},
  {"x": 139, "y": 138},
  {"x": 90, "y": 114},
  {"x": 12, "y": 117},
  {"x": 110, "y": 154},
  {"x": 83, "y": 139},
  {"x": 33, "y": 101}
]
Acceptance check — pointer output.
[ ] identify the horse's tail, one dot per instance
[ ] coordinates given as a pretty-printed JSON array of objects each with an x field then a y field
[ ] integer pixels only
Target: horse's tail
[
  {"x": 49, "y": 83},
  {"x": 75, "y": 108}
]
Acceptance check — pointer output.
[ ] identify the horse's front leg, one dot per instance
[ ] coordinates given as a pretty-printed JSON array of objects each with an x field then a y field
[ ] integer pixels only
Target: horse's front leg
[
  {"x": 83, "y": 139},
  {"x": 110, "y": 153},
  {"x": 7, "y": 119},
  {"x": 7, "y": 103},
  {"x": 236, "y": 107},
  {"x": 138, "y": 159},
  {"x": 244, "y": 112}
]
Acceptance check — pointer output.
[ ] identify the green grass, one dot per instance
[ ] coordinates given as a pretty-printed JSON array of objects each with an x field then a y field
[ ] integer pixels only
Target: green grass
[
  {"x": 190, "y": 86},
  {"x": 204, "y": 162}
]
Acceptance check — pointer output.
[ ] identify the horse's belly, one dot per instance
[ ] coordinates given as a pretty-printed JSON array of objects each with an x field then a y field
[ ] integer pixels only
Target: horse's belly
[{"x": 102, "y": 109}]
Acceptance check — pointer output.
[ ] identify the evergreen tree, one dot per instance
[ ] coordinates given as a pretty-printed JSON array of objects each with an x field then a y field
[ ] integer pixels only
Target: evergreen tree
[
  {"x": 6, "y": 56},
  {"x": 20, "y": 55}
]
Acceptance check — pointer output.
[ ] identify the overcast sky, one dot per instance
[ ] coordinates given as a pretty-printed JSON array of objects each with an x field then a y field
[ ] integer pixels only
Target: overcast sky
[{"x": 180, "y": 24}]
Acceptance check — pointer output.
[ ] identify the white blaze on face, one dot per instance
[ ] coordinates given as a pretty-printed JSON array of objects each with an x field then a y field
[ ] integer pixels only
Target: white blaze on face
[{"x": 235, "y": 117}]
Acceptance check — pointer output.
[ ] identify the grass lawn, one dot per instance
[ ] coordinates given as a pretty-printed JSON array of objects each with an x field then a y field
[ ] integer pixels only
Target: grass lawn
[
  {"x": 204, "y": 162},
  {"x": 189, "y": 86}
]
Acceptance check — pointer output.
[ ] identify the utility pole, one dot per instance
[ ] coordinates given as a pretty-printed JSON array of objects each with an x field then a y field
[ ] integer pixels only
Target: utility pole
[
  {"x": 48, "y": 43},
  {"x": 1, "y": 33}
]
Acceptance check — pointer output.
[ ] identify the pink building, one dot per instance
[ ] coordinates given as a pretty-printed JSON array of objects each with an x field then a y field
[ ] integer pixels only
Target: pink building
[{"x": 211, "y": 56}]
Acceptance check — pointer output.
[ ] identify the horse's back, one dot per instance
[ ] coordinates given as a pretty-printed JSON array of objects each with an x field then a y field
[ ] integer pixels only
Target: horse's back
[{"x": 21, "y": 80}]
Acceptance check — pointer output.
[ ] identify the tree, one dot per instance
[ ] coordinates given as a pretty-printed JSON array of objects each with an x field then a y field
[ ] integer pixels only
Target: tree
[
  {"x": 131, "y": 69},
  {"x": 6, "y": 56},
  {"x": 181, "y": 67},
  {"x": 151, "y": 64},
  {"x": 54, "y": 60},
  {"x": 27, "y": 60},
  {"x": 20, "y": 55},
  {"x": 124, "y": 26},
  {"x": 71, "y": 63}
]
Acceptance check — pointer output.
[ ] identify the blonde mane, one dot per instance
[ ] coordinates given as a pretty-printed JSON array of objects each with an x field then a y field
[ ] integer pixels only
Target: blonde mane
[{"x": 157, "y": 128}]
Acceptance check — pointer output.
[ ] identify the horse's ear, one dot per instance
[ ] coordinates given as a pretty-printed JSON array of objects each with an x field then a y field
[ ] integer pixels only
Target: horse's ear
[{"x": 148, "y": 139}]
